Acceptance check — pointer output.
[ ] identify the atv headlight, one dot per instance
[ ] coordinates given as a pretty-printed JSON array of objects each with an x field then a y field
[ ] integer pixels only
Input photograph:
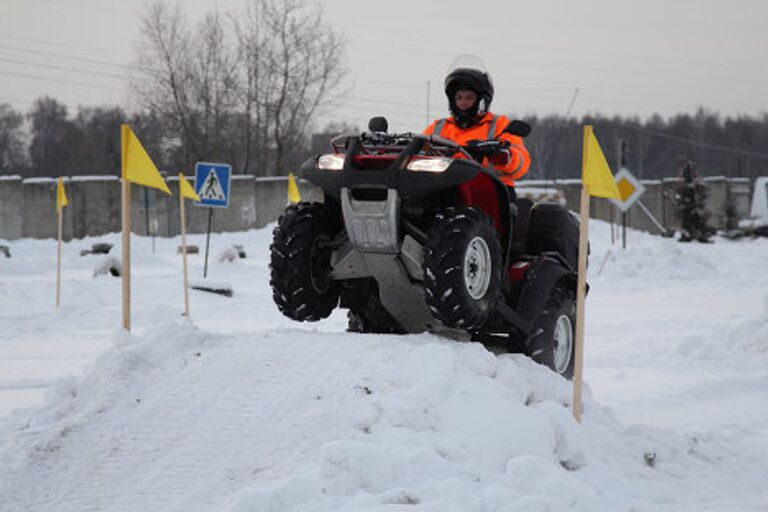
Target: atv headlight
[
  {"x": 330, "y": 162},
  {"x": 429, "y": 164}
]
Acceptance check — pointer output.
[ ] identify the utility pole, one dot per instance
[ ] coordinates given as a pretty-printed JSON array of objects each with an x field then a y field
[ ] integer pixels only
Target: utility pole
[
  {"x": 573, "y": 100},
  {"x": 428, "y": 89},
  {"x": 565, "y": 120}
]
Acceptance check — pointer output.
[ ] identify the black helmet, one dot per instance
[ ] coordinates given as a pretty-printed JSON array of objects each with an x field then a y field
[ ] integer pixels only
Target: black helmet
[{"x": 468, "y": 72}]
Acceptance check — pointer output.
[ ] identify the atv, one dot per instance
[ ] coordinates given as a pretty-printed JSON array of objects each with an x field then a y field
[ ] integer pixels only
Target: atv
[{"x": 415, "y": 235}]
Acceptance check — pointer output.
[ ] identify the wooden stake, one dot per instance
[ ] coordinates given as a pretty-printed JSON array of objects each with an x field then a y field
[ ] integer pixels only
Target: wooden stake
[
  {"x": 126, "y": 199},
  {"x": 58, "y": 258},
  {"x": 184, "y": 251},
  {"x": 580, "y": 297}
]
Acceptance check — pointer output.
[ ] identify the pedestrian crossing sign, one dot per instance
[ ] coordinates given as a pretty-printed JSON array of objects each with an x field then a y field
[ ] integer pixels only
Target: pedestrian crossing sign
[{"x": 212, "y": 184}]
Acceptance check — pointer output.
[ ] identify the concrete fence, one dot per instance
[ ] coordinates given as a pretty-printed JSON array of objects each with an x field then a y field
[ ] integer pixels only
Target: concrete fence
[
  {"x": 728, "y": 201},
  {"x": 27, "y": 206}
]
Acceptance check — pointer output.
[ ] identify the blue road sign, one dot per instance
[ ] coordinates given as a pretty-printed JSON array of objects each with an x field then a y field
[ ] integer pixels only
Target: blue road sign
[{"x": 212, "y": 184}]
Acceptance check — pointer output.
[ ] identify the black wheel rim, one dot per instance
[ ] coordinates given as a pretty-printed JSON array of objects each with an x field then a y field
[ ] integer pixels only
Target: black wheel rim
[
  {"x": 320, "y": 264},
  {"x": 562, "y": 343}
]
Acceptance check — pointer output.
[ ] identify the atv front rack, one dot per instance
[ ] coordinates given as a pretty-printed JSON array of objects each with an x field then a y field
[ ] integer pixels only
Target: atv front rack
[{"x": 374, "y": 143}]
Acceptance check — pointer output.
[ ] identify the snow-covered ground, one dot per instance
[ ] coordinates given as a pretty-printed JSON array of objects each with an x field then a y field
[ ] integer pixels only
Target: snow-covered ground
[{"x": 242, "y": 410}]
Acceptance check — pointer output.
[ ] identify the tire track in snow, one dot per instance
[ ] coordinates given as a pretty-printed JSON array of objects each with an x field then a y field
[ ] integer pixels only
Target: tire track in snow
[{"x": 177, "y": 450}]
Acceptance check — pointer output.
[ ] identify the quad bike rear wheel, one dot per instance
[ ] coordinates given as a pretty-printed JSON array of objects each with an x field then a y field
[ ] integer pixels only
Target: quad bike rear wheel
[
  {"x": 552, "y": 341},
  {"x": 462, "y": 268},
  {"x": 300, "y": 262}
]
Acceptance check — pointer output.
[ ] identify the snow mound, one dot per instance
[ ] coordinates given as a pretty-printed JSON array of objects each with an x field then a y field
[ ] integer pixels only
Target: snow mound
[
  {"x": 656, "y": 256},
  {"x": 745, "y": 339},
  {"x": 108, "y": 265},
  {"x": 180, "y": 419}
]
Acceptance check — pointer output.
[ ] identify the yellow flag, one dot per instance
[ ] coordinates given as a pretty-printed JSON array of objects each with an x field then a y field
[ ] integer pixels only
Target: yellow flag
[
  {"x": 186, "y": 189},
  {"x": 61, "y": 195},
  {"x": 137, "y": 166},
  {"x": 595, "y": 173},
  {"x": 293, "y": 190}
]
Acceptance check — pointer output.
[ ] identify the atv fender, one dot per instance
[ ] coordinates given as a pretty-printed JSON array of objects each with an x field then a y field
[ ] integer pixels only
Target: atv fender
[{"x": 541, "y": 278}]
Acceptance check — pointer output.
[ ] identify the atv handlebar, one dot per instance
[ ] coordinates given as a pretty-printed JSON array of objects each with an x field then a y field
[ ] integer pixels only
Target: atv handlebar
[{"x": 378, "y": 141}]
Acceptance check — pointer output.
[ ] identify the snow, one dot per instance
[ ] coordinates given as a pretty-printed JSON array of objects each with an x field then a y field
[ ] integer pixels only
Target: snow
[
  {"x": 105, "y": 177},
  {"x": 759, "y": 206},
  {"x": 266, "y": 179},
  {"x": 238, "y": 409},
  {"x": 40, "y": 180}
]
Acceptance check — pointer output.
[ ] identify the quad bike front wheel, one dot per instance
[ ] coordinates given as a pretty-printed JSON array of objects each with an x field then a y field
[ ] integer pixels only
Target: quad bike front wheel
[
  {"x": 552, "y": 340},
  {"x": 462, "y": 268},
  {"x": 300, "y": 262}
]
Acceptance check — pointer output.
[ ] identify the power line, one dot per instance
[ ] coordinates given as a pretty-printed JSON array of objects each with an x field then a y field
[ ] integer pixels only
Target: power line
[
  {"x": 15, "y": 100},
  {"x": 61, "y": 81},
  {"x": 61, "y": 45},
  {"x": 89, "y": 7},
  {"x": 560, "y": 50},
  {"x": 63, "y": 68},
  {"x": 344, "y": 103},
  {"x": 66, "y": 57},
  {"x": 559, "y": 61},
  {"x": 694, "y": 142},
  {"x": 384, "y": 102}
]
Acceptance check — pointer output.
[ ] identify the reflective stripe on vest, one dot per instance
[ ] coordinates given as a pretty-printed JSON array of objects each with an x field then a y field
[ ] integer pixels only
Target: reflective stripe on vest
[
  {"x": 491, "y": 128},
  {"x": 439, "y": 127}
]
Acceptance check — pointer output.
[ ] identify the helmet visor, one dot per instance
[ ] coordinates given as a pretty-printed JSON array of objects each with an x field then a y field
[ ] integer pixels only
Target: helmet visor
[{"x": 467, "y": 61}]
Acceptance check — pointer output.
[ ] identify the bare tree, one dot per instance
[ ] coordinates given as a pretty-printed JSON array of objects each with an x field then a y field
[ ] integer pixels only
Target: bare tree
[
  {"x": 213, "y": 87},
  {"x": 249, "y": 100},
  {"x": 12, "y": 150},
  {"x": 161, "y": 83},
  {"x": 189, "y": 80},
  {"x": 255, "y": 82},
  {"x": 307, "y": 64}
]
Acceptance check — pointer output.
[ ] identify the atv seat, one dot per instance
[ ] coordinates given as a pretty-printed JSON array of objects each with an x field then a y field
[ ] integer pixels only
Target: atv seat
[
  {"x": 553, "y": 228},
  {"x": 520, "y": 224}
]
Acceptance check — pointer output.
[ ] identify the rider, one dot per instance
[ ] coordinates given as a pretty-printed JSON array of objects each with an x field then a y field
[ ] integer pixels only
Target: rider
[
  {"x": 691, "y": 195},
  {"x": 470, "y": 91}
]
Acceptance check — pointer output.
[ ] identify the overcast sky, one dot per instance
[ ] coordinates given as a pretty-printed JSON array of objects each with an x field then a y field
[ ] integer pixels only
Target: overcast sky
[{"x": 623, "y": 57}]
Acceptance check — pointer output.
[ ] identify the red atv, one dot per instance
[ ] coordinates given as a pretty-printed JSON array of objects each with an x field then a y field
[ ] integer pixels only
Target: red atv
[{"x": 415, "y": 235}]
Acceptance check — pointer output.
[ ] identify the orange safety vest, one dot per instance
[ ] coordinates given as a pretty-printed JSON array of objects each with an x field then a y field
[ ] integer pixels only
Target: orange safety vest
[{"x": 489, "y": 127}]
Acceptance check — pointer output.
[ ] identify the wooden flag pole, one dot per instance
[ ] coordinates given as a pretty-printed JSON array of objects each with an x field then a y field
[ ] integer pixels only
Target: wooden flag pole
[
  {"x": 184, "y": 250},
  {"x": 58, "y": 257},
  {"x": 126, "y": 199},
  {"x": 580, "y": 298},
  {"x": 581, "y": 288}
]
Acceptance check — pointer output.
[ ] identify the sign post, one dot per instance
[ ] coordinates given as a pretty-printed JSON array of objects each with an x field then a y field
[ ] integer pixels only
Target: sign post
[
  {"x": 212, "y": 185},
  {"x": 630, "y": 189},
  {"x": 207, "y": 242}
]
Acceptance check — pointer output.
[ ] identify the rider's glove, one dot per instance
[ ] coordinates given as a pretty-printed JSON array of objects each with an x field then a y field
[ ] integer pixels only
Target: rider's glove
[{"x": 493, "y": 149}]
